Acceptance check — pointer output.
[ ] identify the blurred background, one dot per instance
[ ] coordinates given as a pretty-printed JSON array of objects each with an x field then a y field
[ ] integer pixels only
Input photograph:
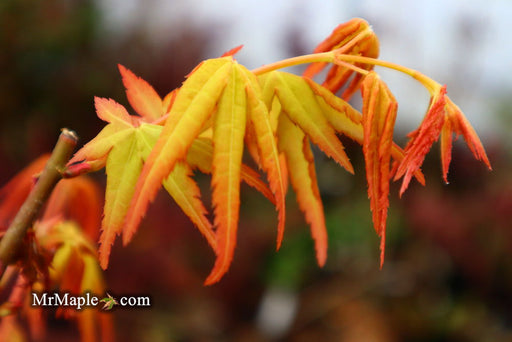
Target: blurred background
[{"x": 448, "y": 269}]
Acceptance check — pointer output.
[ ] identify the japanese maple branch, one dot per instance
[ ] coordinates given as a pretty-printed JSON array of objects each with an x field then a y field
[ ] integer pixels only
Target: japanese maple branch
[
  {"x": 427, "y": 82},
  {"x": 13, "y": 238},
  {"x": 328, "y": 56},
  {"x": 311, "y": 58},
  {"x": 325, "y": 57}
]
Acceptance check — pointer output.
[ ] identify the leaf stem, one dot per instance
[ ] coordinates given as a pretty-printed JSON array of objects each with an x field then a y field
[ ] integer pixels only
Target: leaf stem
[
  {"x": 427, "y": 82},
  {"x": 311, "y": 58},
  {"x": 328, "y": 56},
  {"x": 12, "y": 240}
]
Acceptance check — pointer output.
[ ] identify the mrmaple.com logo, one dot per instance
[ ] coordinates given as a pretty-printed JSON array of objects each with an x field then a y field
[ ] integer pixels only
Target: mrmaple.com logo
[{"x": 85, "y": 300}]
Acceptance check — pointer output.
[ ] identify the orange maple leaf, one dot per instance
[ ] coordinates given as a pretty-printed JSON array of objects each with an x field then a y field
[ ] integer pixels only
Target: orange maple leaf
[
  {"x": 379, "y": 114},
  {"x": 443, "y": 118},
  {"x": 141, "y": 95},
  {"x": 456, "y": 122},
  {"x": 422, "y": 138},
  {"x": 355, "y": 37}
]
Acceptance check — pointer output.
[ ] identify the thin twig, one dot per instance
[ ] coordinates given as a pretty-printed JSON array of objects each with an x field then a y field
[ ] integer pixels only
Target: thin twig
[{"x": 12, "y": 240}]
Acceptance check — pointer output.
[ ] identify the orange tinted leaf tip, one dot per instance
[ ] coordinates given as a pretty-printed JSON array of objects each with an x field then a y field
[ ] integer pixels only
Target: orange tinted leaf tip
[
  {"x": 456, "y": 123},
  {"x": 141, "y": 95},
  {"x": 443, "y": 118},
  {"x": 233, "y": 51},
  {"x": 422, "y": 138},
  {"x": 110, "y": 111}
]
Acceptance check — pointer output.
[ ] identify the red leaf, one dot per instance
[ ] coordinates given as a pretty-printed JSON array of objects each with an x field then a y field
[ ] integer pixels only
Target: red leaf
[
  {"x": 456, "y": 122},
  {"x": 422, "y": 138},
  {"x": 14, "y": 193}
]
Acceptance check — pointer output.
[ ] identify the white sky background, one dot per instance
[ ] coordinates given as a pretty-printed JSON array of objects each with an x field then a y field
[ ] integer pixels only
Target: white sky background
[{"x": 423, "y": 34}]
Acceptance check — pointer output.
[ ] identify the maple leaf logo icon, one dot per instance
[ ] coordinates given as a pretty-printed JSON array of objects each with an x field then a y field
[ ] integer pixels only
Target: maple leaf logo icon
[{"x": 109, "y": 302}]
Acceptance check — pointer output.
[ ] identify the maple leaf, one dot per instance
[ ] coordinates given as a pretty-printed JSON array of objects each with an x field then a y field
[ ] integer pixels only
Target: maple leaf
[
  {"x": 167, "y": 152},
  {"x": 296, "y": 147},
  {"x": 456, "y": 122},
  {"x": 200, "y": 156},
  {"x": 223, "y": 95},
  {"x": 122, "y": 146},
  {"x": 355, "y": 37},
  {"x": 317, "y": 117},
  {"x": 422, "y": 138},
  {"x": 442, "y": 118},
  {"x": 109, "y": 302},
  {"x": 299, "y": 122},
  {"x": 379, "y": 114},
  {"x": 299, "y": 103},
  {"x": 141, "y": 96},
  {"x": 268, "y": 158},
  {"x": 348, "y": 121}
]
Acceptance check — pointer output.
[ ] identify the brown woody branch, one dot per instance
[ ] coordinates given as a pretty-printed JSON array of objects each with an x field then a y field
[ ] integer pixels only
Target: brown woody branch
[{"x": 12, "y": 240}]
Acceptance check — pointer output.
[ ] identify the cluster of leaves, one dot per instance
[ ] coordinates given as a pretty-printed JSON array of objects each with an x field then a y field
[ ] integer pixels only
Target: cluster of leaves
[
  {"x": 59, "y": 254},
  {"x": 223, "y": 110}
]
